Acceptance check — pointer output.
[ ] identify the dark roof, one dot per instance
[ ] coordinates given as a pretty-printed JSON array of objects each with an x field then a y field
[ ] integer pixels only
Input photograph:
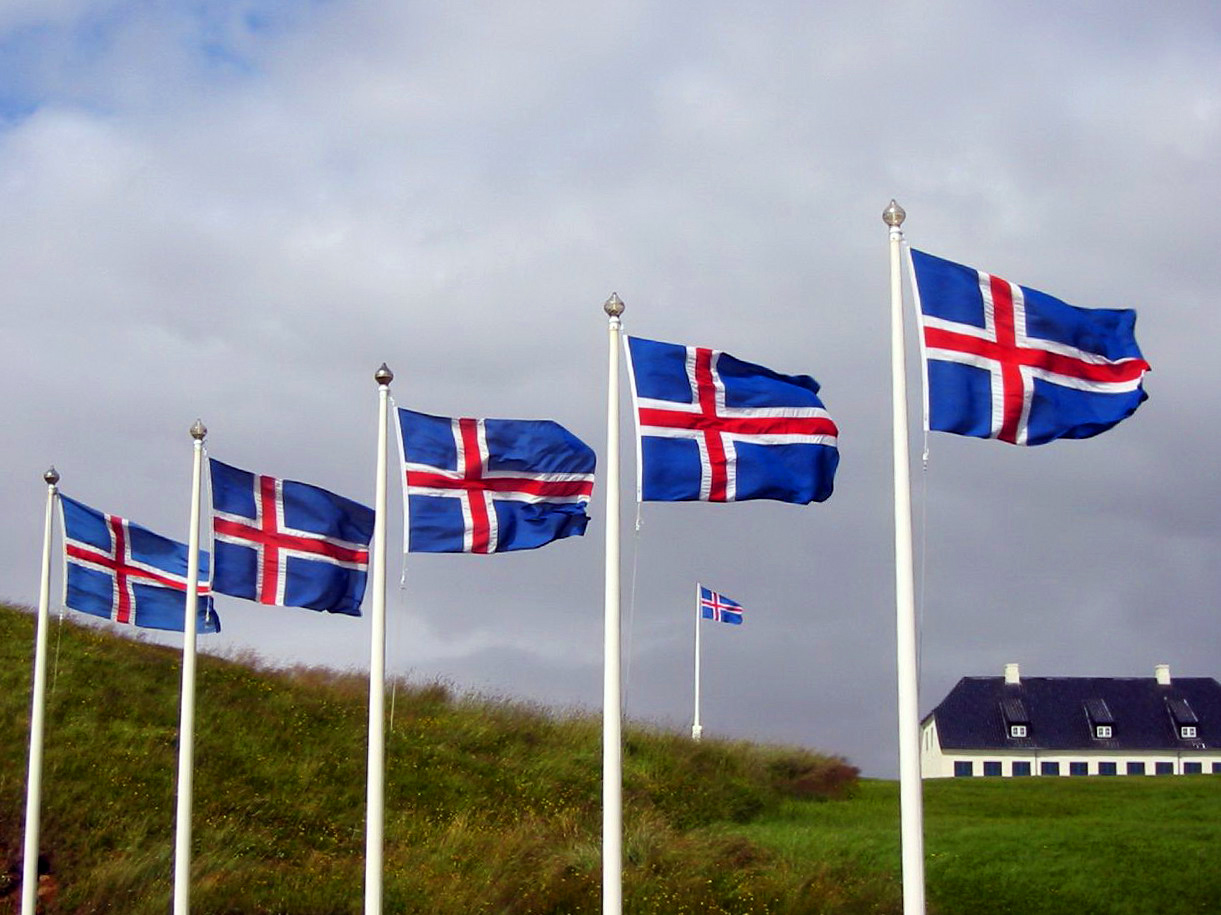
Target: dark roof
[
  {"x": 1014, "y": 711},
  {"x": 1062, "y": 712},
  {"x": 1098, "y": 711}
]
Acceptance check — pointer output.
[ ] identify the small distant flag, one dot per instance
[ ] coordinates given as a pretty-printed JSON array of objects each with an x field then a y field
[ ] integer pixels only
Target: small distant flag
[
  {"x": 492, "y": 485},
  {"x": 713, "y": 428},
  {"x": 125, "y": 573},
  {"x": 1008, "y": 362},
  {"x": 718, "y": 607},
  {"x": 287, "y": 543}
]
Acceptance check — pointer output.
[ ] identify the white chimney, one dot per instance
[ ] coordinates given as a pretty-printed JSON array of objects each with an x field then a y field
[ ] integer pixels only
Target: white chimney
[
  {"x": 1162, "y": 673},
  {"x": 1012, "y": 675}
]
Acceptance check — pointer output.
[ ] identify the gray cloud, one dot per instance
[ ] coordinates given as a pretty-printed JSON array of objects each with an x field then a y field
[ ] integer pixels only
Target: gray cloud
[{"x": 238, "y": 213}]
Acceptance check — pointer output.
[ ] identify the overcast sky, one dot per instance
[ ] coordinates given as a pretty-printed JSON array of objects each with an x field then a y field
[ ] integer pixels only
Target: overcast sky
[{"x": 237, "y": 209}]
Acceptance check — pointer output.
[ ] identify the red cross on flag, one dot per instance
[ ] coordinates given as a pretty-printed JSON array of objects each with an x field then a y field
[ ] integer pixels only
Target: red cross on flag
[
  {"x": 492, "y": 485},
  {"x": 715, "y": 428},
  {"x": 288, "y": 543},
  {"x": 1012, "y": 363}
]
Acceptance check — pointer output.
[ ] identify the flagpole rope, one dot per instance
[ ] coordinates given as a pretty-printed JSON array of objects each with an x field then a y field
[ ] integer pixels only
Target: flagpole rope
[
  {"x": 394, "y": 406},
  {"x": 59, "y": 632},
  {"x": 392, "y": 632},
  {"x": 921, "y": 584},
  {"x": 205, "y": 496},
  {"x": 631, "y": 606}
]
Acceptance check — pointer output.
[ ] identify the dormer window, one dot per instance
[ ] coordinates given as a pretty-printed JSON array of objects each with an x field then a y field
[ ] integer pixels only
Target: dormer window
[
  {"x": 1184, "y": 718},
  {"x": 1102, "y": 722},
  {"x": 1017, "y": 721}
]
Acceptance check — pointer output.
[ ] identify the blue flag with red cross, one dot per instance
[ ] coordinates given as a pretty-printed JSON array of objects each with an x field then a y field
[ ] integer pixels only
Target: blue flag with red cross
[
  {"x": 125, "y": 573},
  {"x": 491, "y": 485},
  {"x": 714, "y": 428},
  {"x": 1009, "y": 362},
  {"x": 287, "y": 543},
  {"x": 719, "y": 608}
]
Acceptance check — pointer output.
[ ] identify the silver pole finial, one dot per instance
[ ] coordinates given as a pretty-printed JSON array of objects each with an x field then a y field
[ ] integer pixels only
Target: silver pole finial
[
  {"x": 383, "y": 375},
  {"x": 894, "y": 214},
  {"x": 614, "y": 305},
  {"x": 51, "y": 476},
  {"x": 198, "y": 430}
]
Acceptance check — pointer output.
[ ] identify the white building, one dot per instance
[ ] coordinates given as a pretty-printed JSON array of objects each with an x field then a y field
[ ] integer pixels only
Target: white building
[{"x": 1014, "y": 726}]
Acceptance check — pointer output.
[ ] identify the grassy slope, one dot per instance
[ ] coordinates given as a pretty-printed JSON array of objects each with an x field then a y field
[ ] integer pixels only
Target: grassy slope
[
  {"x": 494, "y": 807},
  {"x": 491, "y": 807}
]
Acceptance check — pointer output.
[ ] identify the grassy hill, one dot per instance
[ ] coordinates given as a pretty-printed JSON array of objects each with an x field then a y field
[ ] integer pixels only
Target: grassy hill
[
  {"x": 491, "y": 806},
  {"x": 494, "y": 807}
]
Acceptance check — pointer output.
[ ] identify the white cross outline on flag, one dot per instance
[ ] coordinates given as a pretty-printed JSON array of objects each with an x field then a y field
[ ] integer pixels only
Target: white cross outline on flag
[
  {"x": 716, "y": 428},
  {"x": 1015, "y": 360},
  {"x": 478, "y": 488},
  {"x": 718, "y": 605},
  {"x": 274, "y": 542},
  {"x": 124, "y": 571}
]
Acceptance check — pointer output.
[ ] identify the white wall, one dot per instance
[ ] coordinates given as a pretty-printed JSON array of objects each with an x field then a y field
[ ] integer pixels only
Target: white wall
[{"x": 934, "y": 763}]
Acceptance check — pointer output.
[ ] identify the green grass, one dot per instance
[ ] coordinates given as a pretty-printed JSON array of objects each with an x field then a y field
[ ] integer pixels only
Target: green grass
[
  {"x": 1029, "y": 846},
  {"x": 495, "y": 807},
  {"x": 490, "y": 806}
]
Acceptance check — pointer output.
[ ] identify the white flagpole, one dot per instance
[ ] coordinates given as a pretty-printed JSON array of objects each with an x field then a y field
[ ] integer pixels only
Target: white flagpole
[
  {"x": 186, "y": 723},
  {"x": 612, "y": 732},
  {"x": 911, "y": 802},
  {"x": 696, "y": 729},
  {"x": 375, "y": 807},
  {"x": 33, "y": 787}
]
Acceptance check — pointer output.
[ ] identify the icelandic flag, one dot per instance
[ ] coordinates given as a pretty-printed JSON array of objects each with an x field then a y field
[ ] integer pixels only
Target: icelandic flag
[
  {"x": 1008, "y": 362},
  {"x": 491, "y": 485},
  {"x": 718, "y": 607},
  {"x": 713, "y": 428},
  {"x": 287, "y": 543},
  {"x": 125, "y": 573}
]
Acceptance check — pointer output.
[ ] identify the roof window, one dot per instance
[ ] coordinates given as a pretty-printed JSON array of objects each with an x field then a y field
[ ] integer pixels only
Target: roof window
[
  {"x": 1017, "y": 721},
  {"x": 1102, "y": 722}
]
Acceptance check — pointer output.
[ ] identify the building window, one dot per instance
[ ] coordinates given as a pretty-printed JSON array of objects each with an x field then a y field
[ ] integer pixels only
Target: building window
[
  {"x": 1164, "y": 768},
  {"x": 1193, "y": 768},
  {"x": 1078, "y": 768},
  {"x": 1187, "y": 732},
  {"x": 1136, "y": 768},
  {"x": 963, "y": 768},
  {"x": 1217, "y": 768},
  {"x": 1046, "y": 767},
  {"x": 1021, "y": 768},
  {"x": 992, "y": 769},
  {"x": 1017, "y": 730},
  {"x": 1103, "y": 731},
  {"x": 1107, "y": 768}
]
